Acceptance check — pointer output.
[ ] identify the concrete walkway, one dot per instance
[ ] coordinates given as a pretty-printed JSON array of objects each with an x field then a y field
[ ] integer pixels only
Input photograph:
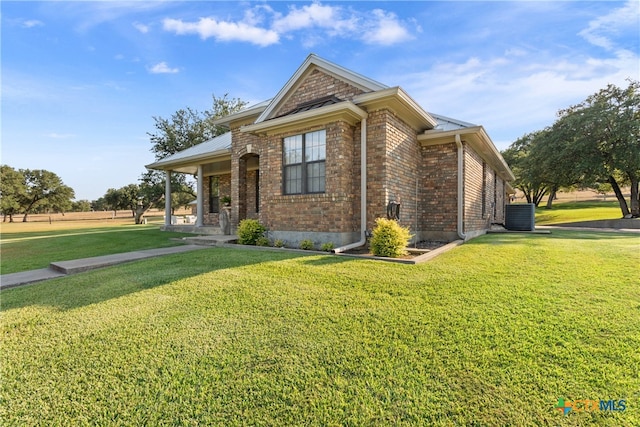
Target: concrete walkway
[{"x": 63, "y": 268}]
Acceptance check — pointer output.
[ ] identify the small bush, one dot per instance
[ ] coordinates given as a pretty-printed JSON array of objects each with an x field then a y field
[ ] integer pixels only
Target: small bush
[
  {"x": 249, "y": 231},
  {"x": 327, "y": 247},
  {"x": 306, "y": 244},
  {"x": 389, "y": 239},
  {"x": 279, "y": 243},
  {"x": 262, "y": 241}
]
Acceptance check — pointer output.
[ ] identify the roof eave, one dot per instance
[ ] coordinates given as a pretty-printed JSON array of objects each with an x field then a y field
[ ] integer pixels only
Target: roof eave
[
  {"x": 345, "y": 110},
  {"x": 479, "y": 140},
  {"x": 397, "y": 100},
  {"x": 189, "y": 161},
  {"x": 241, "y": 115}
]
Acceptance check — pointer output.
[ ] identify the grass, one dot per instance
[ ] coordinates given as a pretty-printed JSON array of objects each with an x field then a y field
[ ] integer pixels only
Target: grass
[
  {"x": 568, "y": 212},
  {"x": 34, "y": 245},
  {"x": 491, "y": 333}
]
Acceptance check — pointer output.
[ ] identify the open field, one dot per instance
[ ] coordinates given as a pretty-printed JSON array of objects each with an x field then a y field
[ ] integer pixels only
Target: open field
[
  {"x": 59, "y": 219},
  {"x": 586, "y": 210},
  {"x": 493, "y": 332}
]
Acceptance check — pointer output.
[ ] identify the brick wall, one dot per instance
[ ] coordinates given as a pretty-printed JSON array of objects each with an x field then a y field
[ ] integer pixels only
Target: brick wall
[
  {"x": 401, "y": 175},
  {"x": 332, "y": 211},
  {"x": 395, "y": 164},
  {"x": 500, "y": 201},
  {"x": 376, "y": 167},
  {"x": 494, "y": 193},
  {"x": 318, "y": 84},
  {"x": 473, "y": 178},
  {"x": 439, "y": 189}
]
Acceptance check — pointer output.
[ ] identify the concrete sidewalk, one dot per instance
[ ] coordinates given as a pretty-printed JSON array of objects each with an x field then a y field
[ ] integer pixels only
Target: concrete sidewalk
[{"x": 63, "y": 268}]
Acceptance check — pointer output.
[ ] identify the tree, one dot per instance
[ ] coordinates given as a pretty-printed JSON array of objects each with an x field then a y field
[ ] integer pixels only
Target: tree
[
  {"x": 189, "y": 127},
  {"x": 44, "y": 189},
  {"x": 606, "y": 128},
  {"x": 594, "y": 142},
  {"x": 81, "y": 206},
  {"x": 113, "y": 200},
  {"x": 151, "y": 192},
  {"x": 555, "y": 156},
  {"x": 12, "y": 190},
  {"x": 185, "y": 128},
  {"x": 528, "y": 172}
]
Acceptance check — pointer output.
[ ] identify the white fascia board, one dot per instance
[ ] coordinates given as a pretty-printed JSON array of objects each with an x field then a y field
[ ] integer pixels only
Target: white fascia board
[
  {"x": 171, "y": 164},
  {"x": 479, "y": 140},
  {"x": 397, "y": 99},
  {"x": 248, "y": 112},
  {"x": 342, "y": 110}
]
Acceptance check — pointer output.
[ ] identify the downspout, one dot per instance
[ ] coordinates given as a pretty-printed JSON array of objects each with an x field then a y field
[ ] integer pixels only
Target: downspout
[
  {"x": 363, "y": 191},
  {"x": 460, "y": 227}
]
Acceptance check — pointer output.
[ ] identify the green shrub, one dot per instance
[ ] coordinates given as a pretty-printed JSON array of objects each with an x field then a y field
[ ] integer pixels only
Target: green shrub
[
  {"x": 249, "y": 231},
  {"x": 327, "y": 247},
  {"x": 389, "y": 239},
  {"x": 262, "y": 241},
  {"x": 306, "y": 244},
  {"x": 279, "y": 243}
]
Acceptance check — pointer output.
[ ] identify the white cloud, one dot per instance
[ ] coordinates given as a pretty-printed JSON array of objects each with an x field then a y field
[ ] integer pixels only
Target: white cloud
[
  {"x": 223, "y": 30},
  {"x": 163, "y": 68},
  {"x": 144, "y": 29},
  {"x": 385, "y": 29},
  {"x": 513, "y": 94},
  {"x": 313, "y": 15},
  {"x": 313, "y": 23},
  {"x": 602, "y": 30},
  {"x": 31, "y": 23},
  {"x": 56, "y": 135}
]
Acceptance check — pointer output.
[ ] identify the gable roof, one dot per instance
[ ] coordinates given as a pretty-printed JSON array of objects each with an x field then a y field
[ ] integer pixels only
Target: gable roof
[
  {"x": 314, "y": 61},
  {"x": 375, "y": 95}
]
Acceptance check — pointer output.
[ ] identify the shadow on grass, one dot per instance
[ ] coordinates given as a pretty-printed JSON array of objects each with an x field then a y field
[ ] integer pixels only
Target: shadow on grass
[
  {"x": 109, "y": 283},
  {"x": 524, "y": 238},
  {"x": 330, "y": 259}
]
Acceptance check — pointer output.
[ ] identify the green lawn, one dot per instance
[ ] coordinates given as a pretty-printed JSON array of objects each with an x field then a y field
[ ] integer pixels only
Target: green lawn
[
  {"x": 578, "y": 211},
  {"x": 493, "y": 332},
  {"x": 21, "y": 251}
]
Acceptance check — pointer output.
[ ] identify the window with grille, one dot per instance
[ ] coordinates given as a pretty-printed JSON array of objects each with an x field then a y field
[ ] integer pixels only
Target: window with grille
[{"x": 304, "y": 163}]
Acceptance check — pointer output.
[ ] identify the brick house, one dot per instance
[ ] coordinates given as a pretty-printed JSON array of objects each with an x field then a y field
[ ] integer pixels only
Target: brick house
[{"x": 332, "y": 151}]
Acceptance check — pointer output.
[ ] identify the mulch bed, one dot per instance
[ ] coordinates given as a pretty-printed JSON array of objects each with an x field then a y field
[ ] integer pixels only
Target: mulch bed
[{"x": 418, "y": 249}]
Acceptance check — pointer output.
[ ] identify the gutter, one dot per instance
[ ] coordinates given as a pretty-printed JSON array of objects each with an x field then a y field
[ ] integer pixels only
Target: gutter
[
  {"x": 363, "y": 191},
  {"x": 460, "y": 226}
]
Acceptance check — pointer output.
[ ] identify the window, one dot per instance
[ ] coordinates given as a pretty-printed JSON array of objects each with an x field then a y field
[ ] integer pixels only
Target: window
[
  {"x": 304, "y": 163},
  {"x": 214, "y": 194}
]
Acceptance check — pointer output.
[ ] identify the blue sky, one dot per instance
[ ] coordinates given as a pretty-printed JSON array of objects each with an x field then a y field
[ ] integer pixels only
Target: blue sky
[{"x": 82, "y": 81}]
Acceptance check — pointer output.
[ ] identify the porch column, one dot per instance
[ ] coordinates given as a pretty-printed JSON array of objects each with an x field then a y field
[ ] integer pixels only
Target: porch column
[
  {"x": 167, "y": 198},
  {"x": 200, "y": 199}
]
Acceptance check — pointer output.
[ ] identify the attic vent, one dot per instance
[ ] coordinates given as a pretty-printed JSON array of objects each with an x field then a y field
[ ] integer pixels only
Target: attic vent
[
  {"x": 520, "y": 217},
  {"x": 315, "y": 103}
]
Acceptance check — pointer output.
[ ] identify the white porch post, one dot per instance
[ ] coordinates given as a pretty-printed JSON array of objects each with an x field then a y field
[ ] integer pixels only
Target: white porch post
[
  {"x": 200, "y": 199},
  {"x": 167, "y": 198}
]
